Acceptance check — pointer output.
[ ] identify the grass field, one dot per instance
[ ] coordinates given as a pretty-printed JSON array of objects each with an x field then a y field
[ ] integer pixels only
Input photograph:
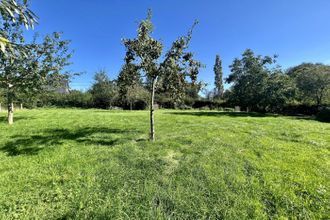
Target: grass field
[{"x": 94, "y": 164}]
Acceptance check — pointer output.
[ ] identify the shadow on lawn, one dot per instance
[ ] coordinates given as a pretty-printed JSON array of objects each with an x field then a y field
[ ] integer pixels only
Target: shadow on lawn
[
  {"x": 219, "y": 114},
  {"x": 3, "y": 119},
  {"x": 32, "y": 144},
  {"x": 242, "y": 114}
]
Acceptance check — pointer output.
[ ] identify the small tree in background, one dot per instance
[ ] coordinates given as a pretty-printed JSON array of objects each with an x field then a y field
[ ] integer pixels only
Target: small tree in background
[
  {"x": 130, "y": 85},
  {"x": 104, "y": 91},
  {"x": 145, "y": 52},
  {"x": 136, "y": 93},
  {"x": 218, "y": 81}
]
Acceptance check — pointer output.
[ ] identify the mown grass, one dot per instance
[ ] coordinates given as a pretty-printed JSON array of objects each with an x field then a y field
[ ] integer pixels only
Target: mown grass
[{"x": 94, "y": 164}]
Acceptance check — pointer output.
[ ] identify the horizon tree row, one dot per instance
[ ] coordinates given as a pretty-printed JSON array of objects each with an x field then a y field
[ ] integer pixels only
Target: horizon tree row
[{"x": 271, "y": 89}]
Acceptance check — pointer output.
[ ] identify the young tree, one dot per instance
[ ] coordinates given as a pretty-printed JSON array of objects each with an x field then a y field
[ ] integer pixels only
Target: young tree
[
  {"x": 145, "y": 52},
  {"x": 104, "y": 91},
  {"x": 26, "y": 69},
  {"x": 219, "y": 89}
]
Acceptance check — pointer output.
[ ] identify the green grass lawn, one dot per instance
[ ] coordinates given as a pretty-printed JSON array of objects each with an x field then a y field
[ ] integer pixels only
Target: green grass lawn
[{"x": 94, "y": 164}]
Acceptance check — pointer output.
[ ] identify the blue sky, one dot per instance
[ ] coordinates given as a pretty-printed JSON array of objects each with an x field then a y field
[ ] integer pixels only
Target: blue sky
[{"x": 297, "y": 30}]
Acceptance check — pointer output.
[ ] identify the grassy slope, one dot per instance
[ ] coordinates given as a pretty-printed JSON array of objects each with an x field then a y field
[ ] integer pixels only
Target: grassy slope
[{"x": 97, "y": 164}]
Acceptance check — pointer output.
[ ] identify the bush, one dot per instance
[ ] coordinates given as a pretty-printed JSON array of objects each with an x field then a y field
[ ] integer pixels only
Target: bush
[
  {"x": 184, "y": 107},
  {"x": 205, "y": 108},
  {"x": 208, "y": 104},
  {"x": 188, "y": 101},
  {"x": 75, "y": 99},
  {"x": 229, "y": 109},
  {"x": 324, "y": 115},
  {"x": 140, "y": 105},
  {"x": 300, "y": 110}
]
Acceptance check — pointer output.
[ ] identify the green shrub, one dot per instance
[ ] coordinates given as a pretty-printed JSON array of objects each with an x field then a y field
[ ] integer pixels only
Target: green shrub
[
  {"x": 184, "y": 107},
  {"x": 324, "y": 115},
  {"x": 229, "y": 109}
]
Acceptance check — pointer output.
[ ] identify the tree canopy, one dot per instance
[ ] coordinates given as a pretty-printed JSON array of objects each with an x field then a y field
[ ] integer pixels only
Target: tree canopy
[
  {"x": 29, "y": 66},
  {"x": 312, "y": 81}
]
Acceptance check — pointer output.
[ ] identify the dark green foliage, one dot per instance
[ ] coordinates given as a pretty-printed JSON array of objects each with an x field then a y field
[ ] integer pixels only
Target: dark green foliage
[
  {"x": 249, "y": 77},
  {"x": 74, "y": 98},
  {"x": 312, "y": 82},
  {"x": 260, "y": 87},
  {"x": 324, "y": 115},
  {"x": 208, "y": 104},
  {"x": 2, "y": 96},
  {"x": 132, "y": 93},
  {"x": 278, "y": 92},
  {"x": 104, "y": 91},
  {"x": 257, "y": 85},
  {"x": 300, "y": 109},
  {"x": 219, "y": 89}
]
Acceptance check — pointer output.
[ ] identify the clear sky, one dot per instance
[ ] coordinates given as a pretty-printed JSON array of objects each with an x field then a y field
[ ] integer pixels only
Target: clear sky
[{"x": 297, "y": 30}]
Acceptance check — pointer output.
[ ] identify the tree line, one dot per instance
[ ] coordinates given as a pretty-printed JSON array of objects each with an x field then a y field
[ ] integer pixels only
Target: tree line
[
  {"x": 256, "y": 83},
  {"x": 259, "y": 84}
]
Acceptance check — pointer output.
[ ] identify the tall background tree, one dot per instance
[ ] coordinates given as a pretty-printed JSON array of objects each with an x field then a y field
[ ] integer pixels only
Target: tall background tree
[
  {"x": 218, "y": 79},
  {"x": 145, "y": 52},
  {"x": 249, "y": 76}
]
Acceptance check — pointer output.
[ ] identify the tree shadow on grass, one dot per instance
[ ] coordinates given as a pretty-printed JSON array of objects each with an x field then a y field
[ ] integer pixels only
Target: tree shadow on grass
[
  {"x": 32, "y": 144},
  {"x": 3, "y": 119},
  {"x": 219, "y": 114},
  {"x": 242, "y": 114}
]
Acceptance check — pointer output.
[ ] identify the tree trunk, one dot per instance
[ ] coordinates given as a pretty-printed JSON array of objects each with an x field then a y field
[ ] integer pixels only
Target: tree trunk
[
  {"x": 21, "y": 106},
  {"x": 10, "y": 113},
  {"x": 10, "y": 104},
  {"x": 130, "y": 106},
  {"x": 319, "y": 98},
  {"x": 152, "y": 109}
]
